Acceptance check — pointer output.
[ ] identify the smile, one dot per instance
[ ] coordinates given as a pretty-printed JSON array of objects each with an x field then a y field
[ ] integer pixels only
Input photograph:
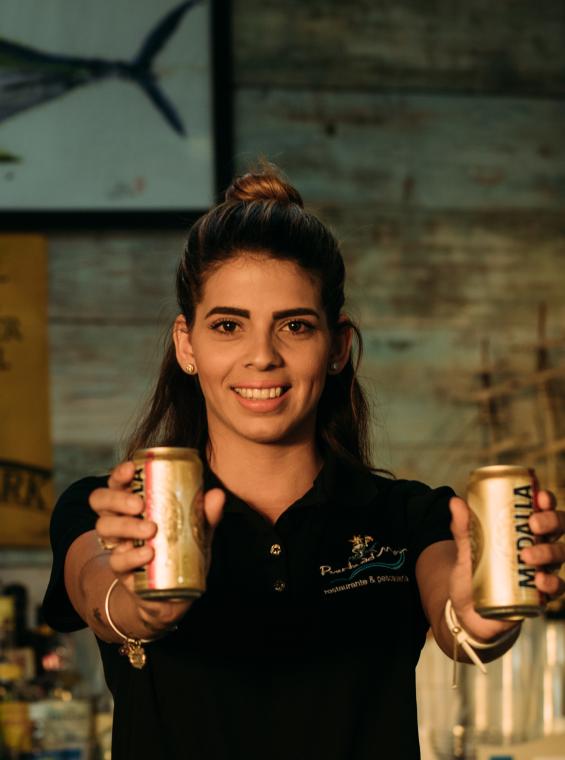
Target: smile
[{"x": 260, "y": 393}]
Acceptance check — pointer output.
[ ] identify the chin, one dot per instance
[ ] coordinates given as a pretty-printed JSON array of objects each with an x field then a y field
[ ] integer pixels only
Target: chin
[{"x": 269, "y": 435}]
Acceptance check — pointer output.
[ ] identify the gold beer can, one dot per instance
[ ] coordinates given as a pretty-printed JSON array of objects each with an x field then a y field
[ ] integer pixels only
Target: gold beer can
[
  {"x": 501, "y": 499},
  {"x": 169, "y": 480}
]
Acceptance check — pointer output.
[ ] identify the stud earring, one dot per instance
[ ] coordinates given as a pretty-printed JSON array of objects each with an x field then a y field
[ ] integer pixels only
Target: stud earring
[
  {"x": 334, "y": 366},
  {"x": 190, "y": 369}
]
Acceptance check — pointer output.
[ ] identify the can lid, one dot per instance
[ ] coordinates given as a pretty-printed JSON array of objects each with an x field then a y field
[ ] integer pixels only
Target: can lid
[
  {"x": 166, "y": 452},
  {"x": 501, "y": 469}
]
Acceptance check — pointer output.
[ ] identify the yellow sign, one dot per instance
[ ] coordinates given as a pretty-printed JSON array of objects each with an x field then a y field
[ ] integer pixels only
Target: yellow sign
[{"x": 26, "y": 493}]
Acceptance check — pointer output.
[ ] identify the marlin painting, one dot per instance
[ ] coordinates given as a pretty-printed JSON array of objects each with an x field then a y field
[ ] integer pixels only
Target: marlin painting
[{"x": 29, "y": 77}]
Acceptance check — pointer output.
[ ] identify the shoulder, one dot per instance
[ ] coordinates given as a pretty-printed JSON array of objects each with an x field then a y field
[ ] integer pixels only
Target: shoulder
[
  {"x": 416, "y": 500},
  {"x": 77, "y": 493},
  {"x": 82, "y": 488},
  {"x": 378, "y": 488},
  {"x": 72, "y": 516},
  {"x": 409, "y": 507},
  {"x": 72, "y": 512},
  {"x": 412, "y": 491}
]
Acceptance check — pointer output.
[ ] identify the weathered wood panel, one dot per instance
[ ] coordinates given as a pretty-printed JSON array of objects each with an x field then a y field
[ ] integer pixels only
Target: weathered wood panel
[
  {"x": 469, "y": 270},
  {"x": 120, "y": 278},
  {"x": 100, "y": 374},
  {"x": 398, "y": 150},
  {"x": 480, "y": 46}
]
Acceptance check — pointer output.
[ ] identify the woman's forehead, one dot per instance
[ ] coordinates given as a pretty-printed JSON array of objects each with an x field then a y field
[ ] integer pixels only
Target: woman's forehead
[{"x": 259, "y": 277}]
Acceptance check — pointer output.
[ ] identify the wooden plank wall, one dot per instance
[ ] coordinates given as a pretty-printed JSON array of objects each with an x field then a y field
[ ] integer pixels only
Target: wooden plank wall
[{"x": 429, "y": 135}]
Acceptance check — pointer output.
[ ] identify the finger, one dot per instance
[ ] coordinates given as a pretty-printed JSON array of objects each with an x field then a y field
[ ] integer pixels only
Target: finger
[
  {"x": 111, "y": 527},
  {"x": 106, "y": 500},
  {"x": 544, "y": 554},
  {"x": 121, "y": 476},
  {"x": 550, "y": 523},
  {"x": 214, "y": 506},
  {"x": 550, "y": 584},
  {"x": 123, "y": 562},
  {"x": 546, "y": 500}
]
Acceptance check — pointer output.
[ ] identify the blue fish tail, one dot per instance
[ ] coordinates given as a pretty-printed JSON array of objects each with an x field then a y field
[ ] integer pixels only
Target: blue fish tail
[{"x": 141, "y": 67}]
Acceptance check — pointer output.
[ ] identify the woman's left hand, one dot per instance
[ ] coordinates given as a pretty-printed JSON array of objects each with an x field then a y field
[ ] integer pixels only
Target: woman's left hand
[{"x": 548, "y": 525}]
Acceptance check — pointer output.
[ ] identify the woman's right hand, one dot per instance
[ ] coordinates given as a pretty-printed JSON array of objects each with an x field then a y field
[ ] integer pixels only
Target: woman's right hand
[{"x": 118, "y": 523}]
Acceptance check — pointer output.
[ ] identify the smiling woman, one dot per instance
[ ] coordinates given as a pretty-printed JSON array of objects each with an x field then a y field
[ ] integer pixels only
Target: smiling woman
[{"x": 324, "y": 575}]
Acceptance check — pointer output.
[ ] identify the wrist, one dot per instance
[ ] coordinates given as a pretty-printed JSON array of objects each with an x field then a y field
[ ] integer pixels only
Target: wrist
[
  {"x": 131, "y": 644},
  {"x": 486, "y": 632},
  {"x": 160, "y": 616},
  {"x": 469, "y": 644}
]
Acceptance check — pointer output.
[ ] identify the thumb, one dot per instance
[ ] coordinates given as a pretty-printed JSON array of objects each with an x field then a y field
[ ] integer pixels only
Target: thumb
[
  {"x": 214, "y": 506},
  {"x": 460, "y": 515}
]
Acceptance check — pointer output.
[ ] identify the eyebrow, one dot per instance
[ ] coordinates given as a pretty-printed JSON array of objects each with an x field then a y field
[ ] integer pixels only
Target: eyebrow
[{"x": 236, "y": 312}]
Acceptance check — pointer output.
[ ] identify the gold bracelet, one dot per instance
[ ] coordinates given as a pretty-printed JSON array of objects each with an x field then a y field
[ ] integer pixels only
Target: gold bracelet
[
  {"x": 468, "y": 643},
  {"x": 132, "y": 647}
]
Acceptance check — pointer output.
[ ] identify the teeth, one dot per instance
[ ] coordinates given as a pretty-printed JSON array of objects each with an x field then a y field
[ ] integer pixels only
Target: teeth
[{"x": 260, "y": 393}]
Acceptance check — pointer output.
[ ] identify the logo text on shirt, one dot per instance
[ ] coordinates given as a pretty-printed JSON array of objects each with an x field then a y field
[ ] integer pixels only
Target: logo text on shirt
[{"x": 365, "y": 555}]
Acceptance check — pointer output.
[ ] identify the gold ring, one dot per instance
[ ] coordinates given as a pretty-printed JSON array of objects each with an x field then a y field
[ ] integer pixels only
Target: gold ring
[{"x": 108, "y": 546}]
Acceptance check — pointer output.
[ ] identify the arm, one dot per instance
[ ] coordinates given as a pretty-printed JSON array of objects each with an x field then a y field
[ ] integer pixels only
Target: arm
[
  {"x": 89, "y": 571},
  {"x": 443, "y": 571}
]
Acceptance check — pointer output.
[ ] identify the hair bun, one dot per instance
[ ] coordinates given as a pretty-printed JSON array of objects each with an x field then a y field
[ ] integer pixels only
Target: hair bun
[{"x": 265, "y": 185}]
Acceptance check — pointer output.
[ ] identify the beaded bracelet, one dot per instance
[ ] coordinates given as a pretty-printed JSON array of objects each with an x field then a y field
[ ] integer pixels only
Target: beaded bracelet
[{"x": 462, "y": 639}]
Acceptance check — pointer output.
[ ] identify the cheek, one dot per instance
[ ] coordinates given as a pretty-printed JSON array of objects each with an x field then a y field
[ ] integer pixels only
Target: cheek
[{"x": 212, "y": 361}]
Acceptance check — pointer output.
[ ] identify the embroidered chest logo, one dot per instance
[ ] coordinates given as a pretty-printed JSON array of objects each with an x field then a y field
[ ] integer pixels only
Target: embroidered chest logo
[{"x": 366, "y": 555}]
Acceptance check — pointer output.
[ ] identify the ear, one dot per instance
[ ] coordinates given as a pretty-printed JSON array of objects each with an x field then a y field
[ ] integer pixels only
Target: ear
[
  {"x": 183, "y": 345},
  {"x": 341, "y": 345}
]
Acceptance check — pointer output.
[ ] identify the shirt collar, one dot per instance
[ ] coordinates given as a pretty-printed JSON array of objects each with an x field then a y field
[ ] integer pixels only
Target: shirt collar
[{"x": 338, "y": 481}]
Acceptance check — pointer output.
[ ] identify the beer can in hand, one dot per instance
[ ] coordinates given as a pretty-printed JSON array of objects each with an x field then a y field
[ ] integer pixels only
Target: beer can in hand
[
  {"x": 501, "y": 499},
  {"x": 169, "y": 480}
]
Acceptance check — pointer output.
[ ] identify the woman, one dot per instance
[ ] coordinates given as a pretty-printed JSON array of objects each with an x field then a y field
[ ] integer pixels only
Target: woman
[{"x": 324, "y": 575}]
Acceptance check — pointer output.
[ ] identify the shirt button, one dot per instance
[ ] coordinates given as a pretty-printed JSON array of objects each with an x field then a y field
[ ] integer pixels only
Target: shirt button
[
  {"x": 279, "y": 585},
  {"x": 275, "y": 550}
]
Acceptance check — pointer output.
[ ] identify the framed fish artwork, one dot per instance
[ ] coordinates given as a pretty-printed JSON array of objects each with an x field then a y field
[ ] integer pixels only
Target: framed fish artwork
[{"x": 113, "y": 113}]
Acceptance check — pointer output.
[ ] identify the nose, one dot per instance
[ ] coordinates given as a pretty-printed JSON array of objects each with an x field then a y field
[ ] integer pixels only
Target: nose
[{"x": 262, "y": 353}]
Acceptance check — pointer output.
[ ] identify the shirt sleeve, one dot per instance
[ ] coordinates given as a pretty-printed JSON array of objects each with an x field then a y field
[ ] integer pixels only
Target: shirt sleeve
[
  {"x": 72, "y": 516},
  {"x": 428, "y": 515}
]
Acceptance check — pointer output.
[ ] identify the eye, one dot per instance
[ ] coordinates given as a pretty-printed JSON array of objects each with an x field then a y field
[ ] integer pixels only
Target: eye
[
  {"x": 298, "y": 326},
  {"x": 224, "y": 326}
]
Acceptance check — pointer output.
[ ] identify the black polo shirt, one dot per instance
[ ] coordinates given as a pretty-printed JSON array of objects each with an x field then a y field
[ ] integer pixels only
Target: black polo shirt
[{"x": 306, "y": 641}]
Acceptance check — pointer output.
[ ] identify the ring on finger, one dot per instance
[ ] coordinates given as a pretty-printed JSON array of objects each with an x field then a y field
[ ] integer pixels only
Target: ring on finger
[{"x": 108, "y": 546}]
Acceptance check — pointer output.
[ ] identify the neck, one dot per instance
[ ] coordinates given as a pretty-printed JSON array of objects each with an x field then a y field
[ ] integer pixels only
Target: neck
[{"x": 268, "y": 477}]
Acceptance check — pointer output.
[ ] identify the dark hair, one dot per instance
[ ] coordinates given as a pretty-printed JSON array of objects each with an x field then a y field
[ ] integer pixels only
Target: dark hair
[{"x": 261, "y": 213}]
